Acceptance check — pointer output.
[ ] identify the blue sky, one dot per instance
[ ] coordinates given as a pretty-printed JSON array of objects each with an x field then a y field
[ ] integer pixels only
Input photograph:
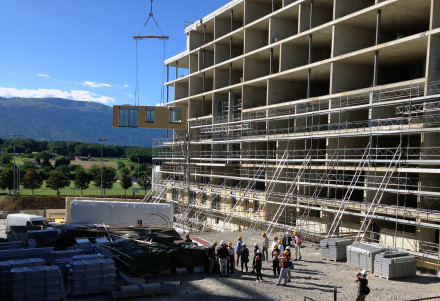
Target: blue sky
[{"x": 83, "y": 49}]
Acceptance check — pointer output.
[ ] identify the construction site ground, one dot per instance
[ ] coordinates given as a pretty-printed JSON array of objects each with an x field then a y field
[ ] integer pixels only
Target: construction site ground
[{"x": 312, "y": 279}]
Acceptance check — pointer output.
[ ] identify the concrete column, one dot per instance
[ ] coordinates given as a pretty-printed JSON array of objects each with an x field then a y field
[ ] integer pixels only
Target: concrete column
[{"x": 177, "y": 69}]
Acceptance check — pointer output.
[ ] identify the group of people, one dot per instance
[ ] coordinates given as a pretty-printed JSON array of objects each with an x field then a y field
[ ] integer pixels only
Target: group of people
[{"x": 281, "y": 256}]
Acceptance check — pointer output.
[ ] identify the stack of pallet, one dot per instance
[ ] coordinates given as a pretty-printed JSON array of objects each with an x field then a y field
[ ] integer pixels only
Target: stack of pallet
[
  {"x": 91, "y": 276},
  {"x": 394, "y": 264},
  {"x": 6, "y": 275},
  {"x": 362, "y": 255},
  {"x": 37, "y": 283},
  {"x": 334, "y": 248}
]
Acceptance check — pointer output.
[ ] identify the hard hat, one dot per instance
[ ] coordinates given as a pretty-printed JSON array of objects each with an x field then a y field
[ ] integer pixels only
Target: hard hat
[
  {"x": 229, "y": 243},
  {"x": 215, "y": 242},
  {"x": 255, "y": 244},
  {"x": 287, "y": 248},
  {"x": 187, "y": 235},
  {"x": 243, "y": 244},
  {"x": 275, "y": 246},
  {"x": 295, "y": 232},
  {"x": 275, "y": 237},
  {"x": 364, "y": 272},
  {"x": 264, "y": 234},
  {"x": 239, "y": 237},
  {"x": 258, "y": 251},
  {"x": 222, "y": 242},
  {"x": 279, "y": 241},
  {"x": 286, "y": 252},
  {"x": 287, "y": 233}
]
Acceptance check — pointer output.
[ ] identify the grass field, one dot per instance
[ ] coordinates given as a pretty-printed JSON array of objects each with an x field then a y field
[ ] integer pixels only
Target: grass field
[
  {"x": 72, "y": 191},
  {"x": 89, "y": 164}
]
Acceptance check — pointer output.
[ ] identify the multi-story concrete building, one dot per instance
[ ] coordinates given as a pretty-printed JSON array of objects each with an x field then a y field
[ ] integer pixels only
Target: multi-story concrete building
[{"x": 316, "y": 115}]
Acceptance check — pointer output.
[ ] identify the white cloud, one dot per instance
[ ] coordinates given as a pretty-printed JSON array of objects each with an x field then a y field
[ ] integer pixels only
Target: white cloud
[
  {"x": 126, "y": 86},
  {"x": 42, "y": 75},
  {"x": 53, "y": 93},
  {"x": 129, "y": 95},
  {"x": 95, "y": 84}
]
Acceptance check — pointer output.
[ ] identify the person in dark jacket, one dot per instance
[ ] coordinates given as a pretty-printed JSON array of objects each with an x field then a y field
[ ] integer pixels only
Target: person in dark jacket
[
  {"x": 222, "y": 254},
  {"x": 255, "y": 254},
  {"x": 361, "y": 279},
  {"x": 258, "y": 265},
  {"x": 244, "y": 257},
  {"x": 212, "y": 256},
  {"x": 287, "y": 239},
  {"x": 275, "y": 260},
  {"x": 187, "y": 239}
]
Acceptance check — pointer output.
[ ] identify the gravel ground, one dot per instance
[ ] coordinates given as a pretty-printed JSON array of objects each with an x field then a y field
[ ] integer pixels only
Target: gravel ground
[{"x": 312, "y": 279}]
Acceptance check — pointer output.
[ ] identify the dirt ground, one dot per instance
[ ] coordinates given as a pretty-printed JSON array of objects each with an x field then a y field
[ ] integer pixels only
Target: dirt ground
[{"x": 89, "y": 164}]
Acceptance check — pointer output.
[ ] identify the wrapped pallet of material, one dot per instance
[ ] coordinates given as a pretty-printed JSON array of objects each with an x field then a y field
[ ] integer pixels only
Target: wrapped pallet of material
[
  {"x": 334, "y": 248},
  {"x": 362, "y": 255},
  {"x": 91, "y": 276},
  {"x": 6, "y": 275},
  {"x": 43, "y": 253},
  {"x": 395, "y": 264},
  {"x": 40, "y": 283}
]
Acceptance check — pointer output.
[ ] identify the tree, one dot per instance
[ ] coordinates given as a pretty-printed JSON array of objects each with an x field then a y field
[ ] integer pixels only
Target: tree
[
  {"x": 57, "y": 180},
  {"x": 32, "y": 180},
  {"x": 126, "y": 183},
  {"x": 94, "y": 171},
  {"x": 145, "y": 182},
  {"x": 108, "y": 175},
  {"x": 7, "y": 179},
  {"x": 82, "y": 180},
  {"x": 62, "y": 161}
]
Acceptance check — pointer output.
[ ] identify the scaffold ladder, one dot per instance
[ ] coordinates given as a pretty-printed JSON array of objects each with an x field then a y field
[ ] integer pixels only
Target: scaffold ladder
[
  {"x": 289, "y": 194},
  {"x": 246, "y": 191},
  {"x": 338, "y": 215},
  {"x": 379, "y": 194},
  {"x": 154, "y": 191},
  {"x": 262, "y": 206},
  {"x": 330, "y": 167}
]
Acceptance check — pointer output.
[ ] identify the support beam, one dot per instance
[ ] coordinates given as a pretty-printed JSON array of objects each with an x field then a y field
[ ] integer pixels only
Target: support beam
[
  {"x": 271, "y": 61},
  {"x": 311, "y": 14}
]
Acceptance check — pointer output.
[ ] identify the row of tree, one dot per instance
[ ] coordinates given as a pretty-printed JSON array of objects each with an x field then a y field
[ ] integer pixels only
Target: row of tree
[
  {"x": 58, "y": 180},
  {"x": 72, "y": 148}
]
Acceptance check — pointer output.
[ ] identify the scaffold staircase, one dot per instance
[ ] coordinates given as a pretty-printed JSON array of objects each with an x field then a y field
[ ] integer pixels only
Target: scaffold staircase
[
  {"x": 289, "y": 194},
  {"x": 251, "y": 183},
  {"x": 312, "y": 199},
  {"x": 262, "y": 206},
  {"x": 338, "y": 215},
  {"x": 379, "y": 194}
]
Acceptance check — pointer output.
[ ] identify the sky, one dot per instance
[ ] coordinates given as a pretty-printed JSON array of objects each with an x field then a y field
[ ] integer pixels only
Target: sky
[{"x": 84, "y": 50}]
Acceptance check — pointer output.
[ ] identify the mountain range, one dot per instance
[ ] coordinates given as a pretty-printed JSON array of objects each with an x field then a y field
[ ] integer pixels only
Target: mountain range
[{"x": 57, "y": 119}]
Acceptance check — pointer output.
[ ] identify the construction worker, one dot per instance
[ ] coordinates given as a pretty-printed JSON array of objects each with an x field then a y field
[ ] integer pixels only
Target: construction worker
[
  {"x": 230, "y": 258},
  {"x": 258, "y": 265},
  {"x": 238, "y": 249},
  {"x": 265, "y": 246},
  {"x": 256, "y": 249},
  {"x": 287, "y": 239},
  {"x": 298, "y": 242},
  {"x": 244, "y": 257},
  {"x": 280, "y": 245},
  {"x": 285, "y": 259},
  {"x": 290, "y": 255},
  {"x": 222, "y": 254},
  {"x": 212, "y": 256},
  {"x": 187, "y": 239},
  {"x": 275, "y": 242},
  {"x": 275, "y": 260},
  {"x": 363, "y": 289}
]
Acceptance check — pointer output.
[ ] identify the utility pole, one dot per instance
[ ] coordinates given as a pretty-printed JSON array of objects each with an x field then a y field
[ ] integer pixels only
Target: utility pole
[
  {"x": 102, "y": 141},
  {"x": 138, "y": 170},
  {"x": 14, "y": 136}
]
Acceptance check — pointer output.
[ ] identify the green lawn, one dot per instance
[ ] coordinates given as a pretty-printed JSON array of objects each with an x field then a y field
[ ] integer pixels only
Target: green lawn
[{"x": 72, "y": 191}]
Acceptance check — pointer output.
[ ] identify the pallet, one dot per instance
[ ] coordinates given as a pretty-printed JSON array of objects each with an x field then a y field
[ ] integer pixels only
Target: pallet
[
  {"x": 394, "y": 278},
  {"x": 332, "y": 260}
]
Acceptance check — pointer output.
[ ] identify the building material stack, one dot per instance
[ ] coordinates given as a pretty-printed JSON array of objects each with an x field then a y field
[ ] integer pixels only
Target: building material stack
[
  {"x": 6, "y": 275},
  {"x": 394, "y": 264},
  {"x": 91, "y": 276},
  {"x": 334, "y": 248},
  {"x": 37, "y": 283},
  {"x": 362, "y": 255}
]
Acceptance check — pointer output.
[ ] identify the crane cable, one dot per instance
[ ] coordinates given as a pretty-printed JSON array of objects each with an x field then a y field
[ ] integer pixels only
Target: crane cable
[{"x": 136, "y": 92}]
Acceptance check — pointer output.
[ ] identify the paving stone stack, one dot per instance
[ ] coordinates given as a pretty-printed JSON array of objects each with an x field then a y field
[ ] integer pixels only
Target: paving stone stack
[
  {"x": 40, "y": 283},
  {"x": 334, "y": 248},
  {"x": 362, "y": 255},
  {"x": 6, "y": 275},
  {"x": 91, "y": 276},
  {"x": 395, "y": 264}
]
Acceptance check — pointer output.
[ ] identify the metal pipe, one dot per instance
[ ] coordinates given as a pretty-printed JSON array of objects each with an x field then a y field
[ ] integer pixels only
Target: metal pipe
[
  {"x": 311, "y": 14},
  {"x": 271, "y": 61},
  {"x": 376, "y": 67}
]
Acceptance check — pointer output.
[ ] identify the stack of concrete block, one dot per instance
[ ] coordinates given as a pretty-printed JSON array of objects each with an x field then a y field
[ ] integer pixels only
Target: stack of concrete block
[
  {"x": 334, "y": 248},
  {"x": 91, "y": 276},
  {"x": 6, "y": 275},
  {"x": 40, "y": 283},
  {"x": 394, "y": 264},
  {"x": 362, "y": 255}
]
